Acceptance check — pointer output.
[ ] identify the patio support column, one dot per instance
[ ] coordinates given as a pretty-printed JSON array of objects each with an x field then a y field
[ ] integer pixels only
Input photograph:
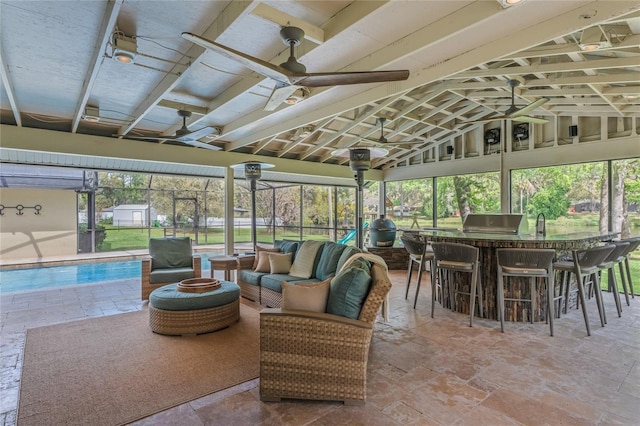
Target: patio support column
[{"x": 229, "y": 242}]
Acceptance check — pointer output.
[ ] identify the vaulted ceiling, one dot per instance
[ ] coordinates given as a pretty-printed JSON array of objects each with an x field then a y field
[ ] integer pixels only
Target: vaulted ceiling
[{"x": 58, "y": 71}]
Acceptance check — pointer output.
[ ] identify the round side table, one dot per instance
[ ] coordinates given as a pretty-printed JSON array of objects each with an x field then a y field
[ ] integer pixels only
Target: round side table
[{"x": 223, "y": 263}]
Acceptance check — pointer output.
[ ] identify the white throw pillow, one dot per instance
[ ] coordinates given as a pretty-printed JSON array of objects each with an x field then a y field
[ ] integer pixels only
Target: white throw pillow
[
  {"x": 306, "y": 297},
  {"x": 279, "y": 263},
  {"x": 303, "y": 264}
]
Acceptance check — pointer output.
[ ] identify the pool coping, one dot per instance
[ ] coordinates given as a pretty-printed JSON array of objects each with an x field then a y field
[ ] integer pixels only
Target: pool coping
[{"x": 91, "y": 257}]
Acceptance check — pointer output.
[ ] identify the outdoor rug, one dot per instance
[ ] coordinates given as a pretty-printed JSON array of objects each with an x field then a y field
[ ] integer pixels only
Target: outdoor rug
[{"x": 114, "y": 370}]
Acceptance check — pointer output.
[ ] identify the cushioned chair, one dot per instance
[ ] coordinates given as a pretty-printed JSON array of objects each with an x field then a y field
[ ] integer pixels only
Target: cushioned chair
[
  {"x": 171, "y": 260},
  {"x": 311, "y": 355}
]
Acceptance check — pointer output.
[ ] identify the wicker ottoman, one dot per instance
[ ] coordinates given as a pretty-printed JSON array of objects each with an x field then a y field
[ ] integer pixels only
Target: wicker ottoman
[{"x": 177, "y": 313}]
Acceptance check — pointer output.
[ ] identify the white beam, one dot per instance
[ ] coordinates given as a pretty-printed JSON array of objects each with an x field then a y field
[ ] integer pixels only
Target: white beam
[{"x": 108, "y": 23}]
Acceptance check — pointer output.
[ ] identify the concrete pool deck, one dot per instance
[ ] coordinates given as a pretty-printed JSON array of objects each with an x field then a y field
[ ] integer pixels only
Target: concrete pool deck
[{"x": 102, "y": 256}]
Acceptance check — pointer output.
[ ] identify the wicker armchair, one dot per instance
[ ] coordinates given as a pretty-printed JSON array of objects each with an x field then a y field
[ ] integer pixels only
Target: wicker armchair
[
  {"x": 320, "y": 356},
  {"x": 171, "y": 260}
]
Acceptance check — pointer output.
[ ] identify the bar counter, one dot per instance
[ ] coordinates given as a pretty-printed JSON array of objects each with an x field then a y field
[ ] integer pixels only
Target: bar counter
[{"x": 489, "y": 242}]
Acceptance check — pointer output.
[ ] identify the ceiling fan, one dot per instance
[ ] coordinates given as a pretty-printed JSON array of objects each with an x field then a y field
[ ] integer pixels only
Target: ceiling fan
[
  {"x": 514, "y": 113},
  {"x": 292, "y": 75},
  {"x": 382, "y": 141},
  {"x": 185, "y": 135}
]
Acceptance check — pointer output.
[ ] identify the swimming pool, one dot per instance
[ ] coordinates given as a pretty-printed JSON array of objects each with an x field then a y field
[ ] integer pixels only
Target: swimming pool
[{"x": 47, "y": 277}]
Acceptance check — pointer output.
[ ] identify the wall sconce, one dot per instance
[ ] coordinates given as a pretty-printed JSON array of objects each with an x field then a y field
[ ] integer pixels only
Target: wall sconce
[{"x": 593, "y": 39}]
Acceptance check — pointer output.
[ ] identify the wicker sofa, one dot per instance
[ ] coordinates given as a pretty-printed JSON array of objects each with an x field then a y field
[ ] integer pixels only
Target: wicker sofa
[
  {"x": 311, "y": 355},
  {"x": 265, "y": 288}
]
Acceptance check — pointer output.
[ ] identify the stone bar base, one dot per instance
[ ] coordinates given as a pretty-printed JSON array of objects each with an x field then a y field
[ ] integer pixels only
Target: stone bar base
[{"x": 396, "y": 257}]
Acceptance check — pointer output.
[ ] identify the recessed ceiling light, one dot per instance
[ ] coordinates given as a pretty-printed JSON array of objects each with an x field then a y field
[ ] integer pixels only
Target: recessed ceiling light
[
  {"x": 508, "y": 3},
  {"x": 593, "y": 39},
  {"x": 124, "y": 48},
  {"x": 91, "y": 114}
]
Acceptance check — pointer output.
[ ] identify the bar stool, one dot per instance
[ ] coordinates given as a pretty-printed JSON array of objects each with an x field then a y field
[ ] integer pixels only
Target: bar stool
[
  {"x": 609, "y": 265},
  {"x": 418, "y": 253},
  {"x": 531, "y": 264},
  {"x": 634, "y": 243},
  {"x": 455, "y": 257},
  {"x": 585, "y": 267}
]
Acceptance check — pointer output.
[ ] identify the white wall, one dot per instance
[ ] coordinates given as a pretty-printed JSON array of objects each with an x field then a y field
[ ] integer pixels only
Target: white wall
[{"x": 27, "y": 236}]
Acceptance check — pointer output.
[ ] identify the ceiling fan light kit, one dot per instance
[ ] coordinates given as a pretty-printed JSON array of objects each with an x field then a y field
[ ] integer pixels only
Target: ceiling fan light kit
[{"x": 300, "y": 94}]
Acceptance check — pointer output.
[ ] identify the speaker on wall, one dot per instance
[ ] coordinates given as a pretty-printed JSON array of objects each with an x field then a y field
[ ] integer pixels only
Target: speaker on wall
[
  {"x": 573, "y": 130},
  {"x": 449, "y": 150}
]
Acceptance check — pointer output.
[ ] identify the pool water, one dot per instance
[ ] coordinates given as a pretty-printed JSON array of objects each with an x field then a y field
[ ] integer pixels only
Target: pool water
[{"x": 47, "y": 277}]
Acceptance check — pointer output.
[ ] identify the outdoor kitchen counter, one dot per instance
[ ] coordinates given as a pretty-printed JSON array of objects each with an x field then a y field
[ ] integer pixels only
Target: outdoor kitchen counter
[{"x": 489, "y": 242}]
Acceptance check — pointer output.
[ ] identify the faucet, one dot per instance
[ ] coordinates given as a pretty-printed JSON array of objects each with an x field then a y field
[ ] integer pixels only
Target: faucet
[{"x": 541, "y": 227}]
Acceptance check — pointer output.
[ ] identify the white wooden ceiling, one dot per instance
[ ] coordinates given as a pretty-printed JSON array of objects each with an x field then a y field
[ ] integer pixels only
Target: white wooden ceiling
[{"x": 56, "y": 62}]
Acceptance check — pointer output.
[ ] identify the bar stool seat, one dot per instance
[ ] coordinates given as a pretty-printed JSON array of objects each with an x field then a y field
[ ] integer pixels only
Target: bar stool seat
[
  {"x": 456, "y": 257},
  {"x": 531, "y": 264},
  {"x": 625, "y": 270},
  {"x": 585, "y": 267},
  {"x": 609, "y": 264},
  {"x": 419, "y": 253}
]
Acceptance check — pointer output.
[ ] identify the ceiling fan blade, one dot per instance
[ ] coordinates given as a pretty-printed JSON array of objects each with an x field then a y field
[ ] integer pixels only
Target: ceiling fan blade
[
  {"x": 484, "y": 120},
  {"x": 344, "y": 78},
  {"x": 388, "y": 143},
  {"x": 528, "y": 119},
  {"x": 258, "y": 65},
  {"x": 193, "y": 136},
  {"x": 525, "y": 110},
  {"x": 144, "y": 138},
  {"x": 201, "y": 145},
  {"x": 278, "y": 96}
]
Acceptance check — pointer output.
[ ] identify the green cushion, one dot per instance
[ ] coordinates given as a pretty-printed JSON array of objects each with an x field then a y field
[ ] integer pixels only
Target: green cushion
[
  {"x": 170, "y": 252},
  {"x": 346, "y": 254},
  {"x": 328, "y": 263},
  {"x": 274, "y": 281},
  {"x": 169, "y": 298},
  {"x": 286, "y": 246},
  {"x": 250, "y": 277},
  {"x": 349, "y": 289},
  {"x": 170, "y": 275}
]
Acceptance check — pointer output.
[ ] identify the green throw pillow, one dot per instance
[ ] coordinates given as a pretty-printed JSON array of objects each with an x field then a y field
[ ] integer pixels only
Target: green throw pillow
[
  {"x": 349, "y": 289},
  {"x": 329, "y": 260},
  {"x": 346, "y": 254}
]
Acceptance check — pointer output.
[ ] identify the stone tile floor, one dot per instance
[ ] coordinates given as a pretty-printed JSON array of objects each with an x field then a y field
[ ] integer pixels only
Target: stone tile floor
[{"x": 422, "y": 370}]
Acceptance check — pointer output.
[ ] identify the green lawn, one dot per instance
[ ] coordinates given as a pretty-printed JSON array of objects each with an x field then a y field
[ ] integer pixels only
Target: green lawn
[{"x": 121, "y": 238}]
